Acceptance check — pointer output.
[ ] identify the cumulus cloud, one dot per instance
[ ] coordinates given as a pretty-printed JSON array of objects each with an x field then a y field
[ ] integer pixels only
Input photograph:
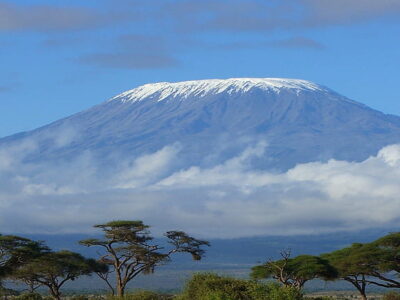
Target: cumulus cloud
[
  {"x": 228, "y": 199},
  {"x": 146, "y": 169}
]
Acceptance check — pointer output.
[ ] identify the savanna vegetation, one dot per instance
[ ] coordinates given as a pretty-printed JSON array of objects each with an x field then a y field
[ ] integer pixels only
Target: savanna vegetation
[{"x": 127, "y": 249}]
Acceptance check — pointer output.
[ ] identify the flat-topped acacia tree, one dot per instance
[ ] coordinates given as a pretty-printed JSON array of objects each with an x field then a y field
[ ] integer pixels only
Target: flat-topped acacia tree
[
  {"x": 295, "y": 272},
  {"x": 54, "y": 269},
  {"x": 129, "y": 251},
  {"x": 353, "y": 265},
  {"x": 384, "y": 261},
  {"x": 16, "y": 251}
]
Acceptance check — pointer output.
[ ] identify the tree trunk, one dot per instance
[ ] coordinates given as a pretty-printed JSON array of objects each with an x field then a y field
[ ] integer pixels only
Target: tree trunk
[
  {"x": 120, "y": 290},
  {"x": 120, "y": 285},
  {"x": 363, "y": 296},
  {"x": 55, "y": 293},
  {"x": 360, "y": 287}
]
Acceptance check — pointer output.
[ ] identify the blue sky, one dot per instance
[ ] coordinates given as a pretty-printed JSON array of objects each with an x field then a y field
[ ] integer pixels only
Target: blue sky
[{"x": 60, "y": 57}]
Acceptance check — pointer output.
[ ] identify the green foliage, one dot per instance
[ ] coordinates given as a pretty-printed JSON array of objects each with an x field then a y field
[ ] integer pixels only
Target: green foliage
[
  {"x": 356, "y": 259},
  {"x": 54, "y": 269},
  {"x": 387, "y": 251},
  {"x": 209, "y": 286},
  {"x": 185, "y": 243},
  {"x": 128, "y": 250},
  {"x": 29, "y": 296},
  {"x": 7, "y": 292},
  {"x": 393, "y": 295},
  {"x": 63, "y": 264},
  {"x": 79, "y": 297},
  {"x": 391, "y": 240},
  {"x": 16, "y": 251},
  {"x": 141, "y": 295},
  {"x": 369, "y": 263},
  {"x": 123, "y": 223},
  {"x": 295, "y": 271},
  {"x": 321, "y": 298},
  {"x": 278, "y": 292},
  {"x": 355, "y": 263}
]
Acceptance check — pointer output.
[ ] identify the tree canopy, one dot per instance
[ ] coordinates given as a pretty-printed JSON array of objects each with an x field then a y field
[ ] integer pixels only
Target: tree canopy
[
  {"x": 354, "y": 264},
  {"x": 16, "y": 251},
  {"x": 386, "y": 258},
  {"x": 295, "y": 271},
  {"x": 54, "y": 269},
  {"x": 129, "y": 250}
]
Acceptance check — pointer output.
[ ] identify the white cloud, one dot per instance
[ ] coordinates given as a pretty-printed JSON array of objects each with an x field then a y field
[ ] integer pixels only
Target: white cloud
[
  {"x": 146, "y": 168},
  {"x": 230, "y": 199}
]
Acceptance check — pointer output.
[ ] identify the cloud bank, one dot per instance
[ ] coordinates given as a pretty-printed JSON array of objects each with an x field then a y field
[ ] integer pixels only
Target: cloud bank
[{"x": 229, "y": 199}]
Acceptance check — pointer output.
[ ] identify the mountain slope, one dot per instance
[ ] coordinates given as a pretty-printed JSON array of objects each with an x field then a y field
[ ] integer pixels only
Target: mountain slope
[{"x": 212, "y": 120}]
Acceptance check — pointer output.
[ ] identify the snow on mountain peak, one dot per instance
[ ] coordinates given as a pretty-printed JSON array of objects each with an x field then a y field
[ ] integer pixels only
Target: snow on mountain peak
[{"x": 200, "y": 88}]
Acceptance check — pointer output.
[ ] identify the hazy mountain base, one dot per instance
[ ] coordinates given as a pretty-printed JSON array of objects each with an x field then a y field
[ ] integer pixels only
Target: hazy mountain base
[
  {"x": 232, "y": 257},
  {"x": 172, "y": 281}
]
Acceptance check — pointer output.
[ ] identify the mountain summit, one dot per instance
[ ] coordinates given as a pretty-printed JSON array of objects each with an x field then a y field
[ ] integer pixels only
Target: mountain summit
[
  {"x": 203, "y": 88},
  {"x": 214, "y": 120}
]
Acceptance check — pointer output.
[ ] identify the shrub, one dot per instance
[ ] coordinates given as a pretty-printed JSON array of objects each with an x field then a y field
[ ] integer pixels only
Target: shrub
[
  {"x": 29, "y": 296},
  {"x": 322, "y": 298},
  {"x": 141, "y": 295},
  {"x": 214, "y": 287},
  {"x": 278, "y": 292},
  {"x": 79, "y": 297},
  {"x": 7, "y": 292},
  {"x": 392, "y": 295}
]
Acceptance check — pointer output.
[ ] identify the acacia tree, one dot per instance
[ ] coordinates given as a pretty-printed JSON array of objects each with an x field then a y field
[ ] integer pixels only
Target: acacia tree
[
  {"x": 384, "y": 261},
  {"x": 129, "y": 251},
  {"x": 376, "y": 263},
  {"x": 294, "y": 272},
  {"x": 16, "y": 251},
  {"x": 27, "y": 254},
  {"x": 355, "y": 264},
  {"x": 54, "y": 269}
]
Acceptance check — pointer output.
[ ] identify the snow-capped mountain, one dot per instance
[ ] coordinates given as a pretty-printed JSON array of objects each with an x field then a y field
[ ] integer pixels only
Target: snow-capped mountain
[
  {"x": 212, "y": 120},
  {"x": 221, "y": 158}
]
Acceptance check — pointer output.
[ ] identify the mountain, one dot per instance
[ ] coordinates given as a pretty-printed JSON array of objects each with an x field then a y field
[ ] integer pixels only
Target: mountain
[{"x": 213, "y": 120}]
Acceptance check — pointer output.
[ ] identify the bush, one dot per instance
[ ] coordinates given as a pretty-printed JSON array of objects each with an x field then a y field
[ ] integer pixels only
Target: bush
[
  {"x": 7, "y": 292},
  {"x": 321, "y": 298},
  {"x": 277, "y": 292},
  {"x": 29, "y": 296},
  {"x": 79, "y": 297},
  {"x": 141, "y": 295},
  {"x": 214, "y": 287},
  {"x": 391, "y": 296}
]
